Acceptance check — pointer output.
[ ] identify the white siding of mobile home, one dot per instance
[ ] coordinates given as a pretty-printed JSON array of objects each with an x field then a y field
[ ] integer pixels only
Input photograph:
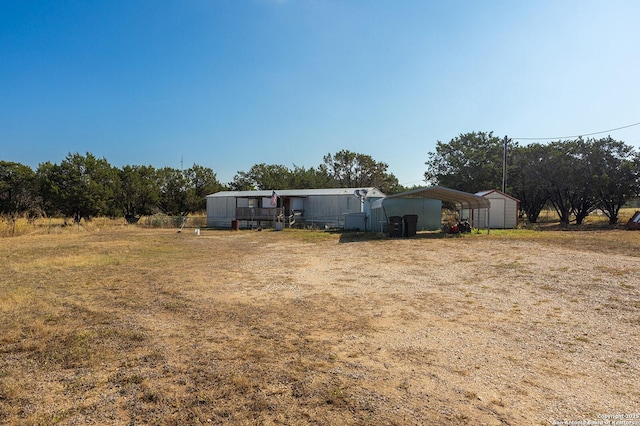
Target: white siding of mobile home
[{"x": 321, "y": 207}]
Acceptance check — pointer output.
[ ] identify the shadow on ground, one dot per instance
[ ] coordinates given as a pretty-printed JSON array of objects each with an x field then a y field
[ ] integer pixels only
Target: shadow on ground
[{"x": 356, "y": 237}]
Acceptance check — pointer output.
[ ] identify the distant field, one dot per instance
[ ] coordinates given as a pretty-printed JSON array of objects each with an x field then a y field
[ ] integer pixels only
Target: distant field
[
  {"x": 115, "y": 324},
  {"x": 595, "y": 218}
]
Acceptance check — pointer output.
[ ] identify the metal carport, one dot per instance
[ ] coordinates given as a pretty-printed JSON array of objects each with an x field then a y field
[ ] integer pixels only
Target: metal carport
[{"x": 461, "y": 200}]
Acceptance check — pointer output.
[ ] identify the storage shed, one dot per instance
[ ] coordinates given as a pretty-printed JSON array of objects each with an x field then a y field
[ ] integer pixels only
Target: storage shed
[
  {"x": 503, "y": 211},
  {"x": 347, "y": 208}
]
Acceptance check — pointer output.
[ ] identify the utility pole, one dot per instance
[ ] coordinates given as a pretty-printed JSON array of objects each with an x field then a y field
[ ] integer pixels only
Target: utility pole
[{"x": 504, "y": 165}]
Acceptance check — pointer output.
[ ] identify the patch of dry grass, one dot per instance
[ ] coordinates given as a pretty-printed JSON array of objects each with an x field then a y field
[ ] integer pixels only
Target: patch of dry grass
[
  {"x": 148, "y": 326},
  {"x": 19, "y": 226}
]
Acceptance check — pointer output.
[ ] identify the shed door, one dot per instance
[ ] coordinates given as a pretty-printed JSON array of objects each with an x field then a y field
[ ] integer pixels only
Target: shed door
[{"x": 497, "y": 213}]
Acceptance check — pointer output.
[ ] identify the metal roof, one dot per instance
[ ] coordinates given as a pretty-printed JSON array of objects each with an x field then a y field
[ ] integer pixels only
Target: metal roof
[
  {"x": 371, "y": 192},
  {"x": 460, "y": 199},
  {"x": 495, "y": 191}
]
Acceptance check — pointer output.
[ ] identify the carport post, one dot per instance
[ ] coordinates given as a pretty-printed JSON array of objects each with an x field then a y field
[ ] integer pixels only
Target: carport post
[
  {"x": 488, "y": 221},
  {"x": 384, "y": 212}
]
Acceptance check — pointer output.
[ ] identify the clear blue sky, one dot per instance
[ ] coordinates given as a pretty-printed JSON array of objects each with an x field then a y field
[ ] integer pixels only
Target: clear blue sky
[{"x": 229, "y": 84}]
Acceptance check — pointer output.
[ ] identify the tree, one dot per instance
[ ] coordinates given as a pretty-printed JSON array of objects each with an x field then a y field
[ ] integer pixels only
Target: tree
[
  {"x": 242, "y": 182},
  {"x": 567, "y": 174},
  {"x": 585, "y": 163},
  {"x": 80, "y": 187},
  {"x": 262, "y": 177},
  {"x": 616, "y": 176},
  {"x": 138, "y": 190},
  {"x": 525, "y": 179},
  {"x": 352, "y": 170},
  {"x": 18, "y": 189},
  {"x": 201, "y": 181},
  {"x": 173, "y": 192},
  {"x": 589, "y": 174},
  {"x": 576, "y": 177},
  {"x": 310, "y": 178},
  {"x": 46, "y": 176},
  {"x": 558, "y": 179},
  {"x": 470, "y": 162}
]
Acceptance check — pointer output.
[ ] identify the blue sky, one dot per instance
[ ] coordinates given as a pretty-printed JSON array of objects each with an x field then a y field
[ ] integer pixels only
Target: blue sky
[{"x": 229, "y": 84}]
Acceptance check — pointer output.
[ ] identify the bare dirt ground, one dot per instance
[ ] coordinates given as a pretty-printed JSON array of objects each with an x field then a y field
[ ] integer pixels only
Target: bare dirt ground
[{"x": 152, "y": 327}]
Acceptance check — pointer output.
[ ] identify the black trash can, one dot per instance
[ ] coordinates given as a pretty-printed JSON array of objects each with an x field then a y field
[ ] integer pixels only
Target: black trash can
[
  {"x": 410, "y": 225},
  {"x": 395, "y": 226}
]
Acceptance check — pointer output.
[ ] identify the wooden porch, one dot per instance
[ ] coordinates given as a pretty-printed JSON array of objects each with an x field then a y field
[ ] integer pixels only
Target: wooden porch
[
  {"x": 259, "y": 213},
  {"x": 270, "y": 214}
]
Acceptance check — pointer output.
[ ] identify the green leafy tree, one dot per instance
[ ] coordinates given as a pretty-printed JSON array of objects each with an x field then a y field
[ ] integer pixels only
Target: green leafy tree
[
  {"x": 586, "y": 157},
  {"x": 352, "y": 170},
  {"x": 311, "y": 178},
  {"x": 576, "y": 177},
  {"x": 201, "y": 181},
  {"x": 80, "y": 187},
  {"x": 263, "y": 177},
  {"x": 242, "y": 181},
  {"x": 18, "y": 189},
  {"x": 558, "y": 179},
  {"x": 470, "y": 162},
  {"x": 525, "y": 179},
  {"x": 590, "y": 174},
  {"x": 138, "y": 190},
  {"x": 173, "y": 192},
  {"x": 48, "y": 190},
  {"x": 567, "y": 174},
  {"x": 616, "y": 175}
]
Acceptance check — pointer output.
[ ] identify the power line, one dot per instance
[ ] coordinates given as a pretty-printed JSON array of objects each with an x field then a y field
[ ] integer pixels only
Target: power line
[
  {"x": 553, "y": 138},
  {"x": 577, "y": 136}
]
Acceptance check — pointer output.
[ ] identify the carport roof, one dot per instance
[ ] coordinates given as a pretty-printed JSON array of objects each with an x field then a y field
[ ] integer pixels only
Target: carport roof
[{"x": 460, "y": 199}]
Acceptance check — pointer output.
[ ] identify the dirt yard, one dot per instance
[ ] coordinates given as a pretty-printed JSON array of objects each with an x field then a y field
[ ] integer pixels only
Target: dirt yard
[{"x": 135, "y": 326}]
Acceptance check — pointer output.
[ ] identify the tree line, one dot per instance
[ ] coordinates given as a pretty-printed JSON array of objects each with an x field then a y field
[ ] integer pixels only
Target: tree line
[
  {"x": 84, "y": 186},
  {"x": 574, "y": 177}
]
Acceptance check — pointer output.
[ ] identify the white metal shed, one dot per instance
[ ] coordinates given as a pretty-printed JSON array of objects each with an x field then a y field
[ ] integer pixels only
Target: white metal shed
[{"x": 503, "y": 211}]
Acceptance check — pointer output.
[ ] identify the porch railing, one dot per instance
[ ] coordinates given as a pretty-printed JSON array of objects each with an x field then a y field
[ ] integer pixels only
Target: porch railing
[{"x": 258, "y": 213}]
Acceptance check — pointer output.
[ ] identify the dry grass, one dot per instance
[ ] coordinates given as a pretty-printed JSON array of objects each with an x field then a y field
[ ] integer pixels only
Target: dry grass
[
  {"x": 128, "y": 325},
  {"x": 597, "y": 217},
  {"x": 18, "y": 226}
]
